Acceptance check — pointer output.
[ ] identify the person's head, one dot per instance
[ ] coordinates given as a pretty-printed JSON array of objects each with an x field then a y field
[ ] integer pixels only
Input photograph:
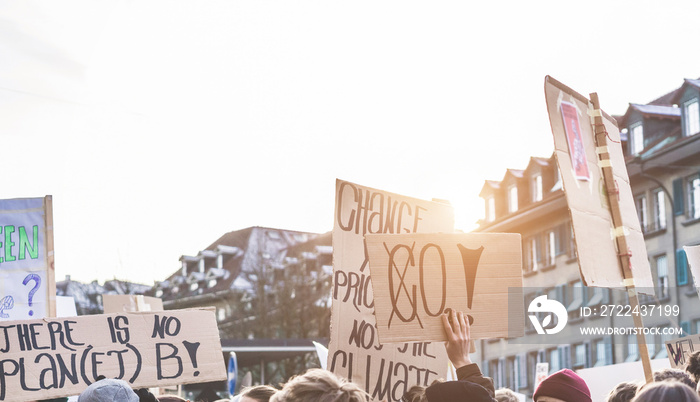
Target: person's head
[
  {"x": 692, "y": 366},
  {"x": 170, "y": 398},
  {"x": 663, "y": 391},
  {"x": 258, "y": 393},
  {"x": 453, "y": 391},
  {"x": 108, "y": 390},
  {"x": 564, "y": 385},
  {"x": 506, "y": 395},
  {"x": 623, "y": 392},
  {"x": 674, "y": 374},
  {"x": 317, "y": 385},
  {"x": 414, "y": 394}
]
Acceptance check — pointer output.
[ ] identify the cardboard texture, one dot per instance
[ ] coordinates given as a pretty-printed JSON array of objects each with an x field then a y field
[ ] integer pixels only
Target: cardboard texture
[
  {"x": 417, "y": 277},
  {"x": 594, "y": 233},
  {"x": 693, "y": 254},
  {"x": 130, "y": 303},
  {"x": 354, "y": 352},
  {"x": 600, "y": 380},
  {"x": 27, "y": 279},
  {"x": 55, "y": 357},
  {"x": 679, "y": 349}
]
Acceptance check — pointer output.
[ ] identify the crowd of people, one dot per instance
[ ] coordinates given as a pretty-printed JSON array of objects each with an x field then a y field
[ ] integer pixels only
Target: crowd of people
[{"x": 317, "y": 385}]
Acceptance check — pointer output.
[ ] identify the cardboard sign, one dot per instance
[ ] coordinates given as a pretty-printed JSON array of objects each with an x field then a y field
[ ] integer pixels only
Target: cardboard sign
[
  {"x": 541, "y": 372},
  {"x": 417, "y": 277},
  {"x": 130, "y": 303},
  {"x": 693, "y": 254},
  {"x": 385, "y": 372},
  {"x": 27, "y": 276},
  {"x": 679, "y": 349},
  {"x": 594, "y": 233},
  {"x": 54, "y": 357},
  {"x": 600, "y": 380}
]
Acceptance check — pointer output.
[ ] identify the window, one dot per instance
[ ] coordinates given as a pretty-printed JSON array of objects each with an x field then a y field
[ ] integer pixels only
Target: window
[
  {"x": 491, "y": 208},
  {"x": 691, "y": 117},
  {"x": 637, "y": 140},
  {"x": 512, "y": 198},
  {"x": 575, "y": 300},
  {"x": 651, "y": 344},
  {"x": 551, "y": 242},
  {"x": 572, "y": 242},
  {"x": 641, "y": 203},
  {"x": 661, "y": 277},
  {"x": 597, "y": 296},
  {"x": 554, "y": 360},
  {"x": 681, "y": 267},
  {"x": 603, "y": 353},
  {"x": 537, "y": 188},
  {"x": 663, "y": 338},
  {"x": 694, "y": 197},
  {"x": 533, "y": 254},
  {"x": 632, "y": 348},
  {"x": 659, "y": 209},
  {"x": 580, "y": 356},
  {"x": 221, "y": 314}
]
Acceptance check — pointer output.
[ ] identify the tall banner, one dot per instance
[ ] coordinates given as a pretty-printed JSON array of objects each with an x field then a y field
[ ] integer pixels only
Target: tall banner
[
  {"x": 384, "y": 371},
  {"x": 570, "y": 115},
  {"x": 27, "y": 276}
]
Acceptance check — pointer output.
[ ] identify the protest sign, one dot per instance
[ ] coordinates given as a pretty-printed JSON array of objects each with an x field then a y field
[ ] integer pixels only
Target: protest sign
[
  {"x": 679, "y": 349},
  {"x": 385, "y": 372},
  {"x": 601, "y": 380},
  {"x": 27, "y": 276},
  {"x": 416, "y": 278},
  {"x": 541, "y": 372},
  {"x": 54, "y": 357},
  {"x": 581, "y": 173},
  {"x": 693, "y": 254},
  {"x": 130, "y": 303}
]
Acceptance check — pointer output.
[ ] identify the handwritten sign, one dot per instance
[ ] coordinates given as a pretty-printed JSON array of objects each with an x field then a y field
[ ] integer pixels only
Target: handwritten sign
[
  {"x": 417, "y": 277},
  {"x": 582, "y": 178},
  {"x": 679, "y": 350},
  {"x": 384, "y": 371},
  {"x": 54, "y": 357},
  {"x": 27, "y": 280}
]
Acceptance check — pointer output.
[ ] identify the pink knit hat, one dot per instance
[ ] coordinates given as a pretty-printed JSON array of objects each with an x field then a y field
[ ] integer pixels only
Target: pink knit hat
[{"x": 565, "y": 385}]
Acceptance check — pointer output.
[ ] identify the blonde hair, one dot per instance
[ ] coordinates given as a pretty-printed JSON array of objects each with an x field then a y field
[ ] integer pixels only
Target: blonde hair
[{"x": 317, "y": 385}]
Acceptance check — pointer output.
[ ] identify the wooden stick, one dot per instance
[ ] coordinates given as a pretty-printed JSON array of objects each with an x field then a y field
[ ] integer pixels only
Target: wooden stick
[
  {"x": 601, "y": 139},
  {"x": 50, "y": 269}
]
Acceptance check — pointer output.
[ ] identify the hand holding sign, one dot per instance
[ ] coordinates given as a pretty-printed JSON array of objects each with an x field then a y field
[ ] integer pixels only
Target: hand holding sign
[{"x": 458, "y": 332}]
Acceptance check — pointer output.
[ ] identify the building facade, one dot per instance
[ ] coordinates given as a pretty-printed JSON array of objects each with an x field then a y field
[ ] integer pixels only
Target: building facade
[{"x": 662, "y": 150}]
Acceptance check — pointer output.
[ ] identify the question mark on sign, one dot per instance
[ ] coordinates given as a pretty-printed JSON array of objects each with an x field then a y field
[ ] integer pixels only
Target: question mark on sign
[
  {"x": 37, "y": 279},
  {"x": 6, "y": 303}
]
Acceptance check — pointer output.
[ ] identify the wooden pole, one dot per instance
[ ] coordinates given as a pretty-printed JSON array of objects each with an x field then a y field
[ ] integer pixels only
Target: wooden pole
[
  {"x": 601, "y": 140},
  {"x": 50, "y": 269}
]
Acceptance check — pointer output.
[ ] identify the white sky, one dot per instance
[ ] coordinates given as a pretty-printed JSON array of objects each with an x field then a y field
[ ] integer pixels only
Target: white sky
[{"x": 158, "y": 126}]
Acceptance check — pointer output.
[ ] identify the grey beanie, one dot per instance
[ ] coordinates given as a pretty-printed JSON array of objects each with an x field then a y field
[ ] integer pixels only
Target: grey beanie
[{"x": 109, "y": 390}]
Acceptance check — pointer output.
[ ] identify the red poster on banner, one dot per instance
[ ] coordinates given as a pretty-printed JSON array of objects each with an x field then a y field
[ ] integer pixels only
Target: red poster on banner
[{"x": 573, "y": 138}]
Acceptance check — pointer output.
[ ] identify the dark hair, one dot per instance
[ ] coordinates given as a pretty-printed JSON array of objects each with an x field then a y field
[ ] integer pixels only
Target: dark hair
[
  {"x": 414, "y": 394},
  {"x": 261, "y": 393},
  {"x": 662, "y": 391},
  {"x": 623, "y": 392},
  {"x": 674, "y": 374},
  {"x": 692, "y": 366},
  {"x": 170, "y": 398}
]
